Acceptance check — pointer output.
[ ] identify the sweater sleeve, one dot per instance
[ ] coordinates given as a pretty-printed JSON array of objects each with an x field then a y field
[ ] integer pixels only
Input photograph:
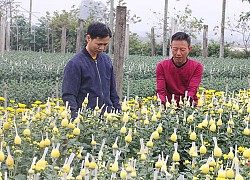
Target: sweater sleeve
[
  {"x": 195, "y": 81},
  {"x": 113, "y": 93},
  {"x": 71, "y": 85},
  {"x": 161, "y": 83}
]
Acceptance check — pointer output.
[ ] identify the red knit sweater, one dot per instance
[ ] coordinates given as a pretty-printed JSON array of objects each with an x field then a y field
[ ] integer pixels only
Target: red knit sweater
[{"x": 171, "y": 79}]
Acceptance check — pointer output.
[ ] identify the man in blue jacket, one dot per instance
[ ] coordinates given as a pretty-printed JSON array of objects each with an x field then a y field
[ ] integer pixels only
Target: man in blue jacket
[{"x": 90, "y": 74}]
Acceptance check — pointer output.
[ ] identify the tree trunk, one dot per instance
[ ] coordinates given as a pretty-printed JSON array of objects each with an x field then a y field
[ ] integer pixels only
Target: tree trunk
[
  {"x": 17, "y": 38},
  {"x": 126, "y": 52},
  {"x": 152, "y": 41},
  {"x": 173, "y": 31},
  {"x": 63, "y": 39},
  {"x": 30, "y": 13},
  {"x": 111, "y": 26},
  {"x": 48, "y": 37},
  {"x": 79, "y": 38},
  {"x": 165, "y": 29},
  {"x": 8, "y": 37},
  {"x": 119, "y": 45},
  {"x": 2, "y": 34},
  {"x": 205, "y": 40},
  {"x": 222, "y": 29}
]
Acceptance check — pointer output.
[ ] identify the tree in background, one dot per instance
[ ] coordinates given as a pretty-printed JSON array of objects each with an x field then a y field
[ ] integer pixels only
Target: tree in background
[
  {"x": 70, "y": 19},
  {"x": 246, "y": 15},
  {"x": 242, "y": 27},
  {"x": 20, "y": 33},
  {"x": 184, "y": 22},
  {"x": 196, "y": 50},
  {"x": 214, "y": 49},
  {"x": 91, "y": 11},
  {"x": 187, "y": 23},
  {"x": 46, "y": 34},
  {"x": 136, "y": 45},
  {"x": 43, "y": 38}
]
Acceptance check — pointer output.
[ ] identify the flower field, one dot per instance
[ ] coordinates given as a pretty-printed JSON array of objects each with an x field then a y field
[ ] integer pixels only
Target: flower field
[
  {"x": 39, "y": 140},
  {"x": 143, "y": 142}
]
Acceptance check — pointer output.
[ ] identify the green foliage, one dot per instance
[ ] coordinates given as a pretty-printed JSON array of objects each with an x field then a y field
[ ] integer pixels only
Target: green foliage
[
  {"x": 138, "y": 47},
  {"x": 92, "y": 11},
  {"x": 196, "y": 50},
  {"x": 70, "y": 19},
  {"x": 241, "y": 26},
  {"x": 239, "y": 54},
  {"x": 135, "y": 44},
  {"x": 246, "y": 15},
  {"x": 46, "y": 35},
  {"x": 214, "y": 49},
  {"x": 187, "y": 23},
  {"x": 20, "y": 34},
  {"x": 41, "y": 37},
  {"x": 33, "y": 76}
]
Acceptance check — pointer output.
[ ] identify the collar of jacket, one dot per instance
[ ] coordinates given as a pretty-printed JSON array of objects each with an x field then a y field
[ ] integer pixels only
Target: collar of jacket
[{"x": 87, "y": 53}]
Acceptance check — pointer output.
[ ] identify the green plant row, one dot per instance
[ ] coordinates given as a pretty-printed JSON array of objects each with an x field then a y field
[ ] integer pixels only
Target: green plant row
[{"x": 32, "y": 75}]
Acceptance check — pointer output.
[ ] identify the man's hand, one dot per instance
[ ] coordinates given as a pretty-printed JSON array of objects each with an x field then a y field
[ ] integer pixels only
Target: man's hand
[{"x": 162, "y": 107}]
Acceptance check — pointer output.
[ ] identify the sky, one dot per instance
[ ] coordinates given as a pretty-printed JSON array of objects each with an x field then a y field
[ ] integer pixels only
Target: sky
[{"x": 209, "y": 10}]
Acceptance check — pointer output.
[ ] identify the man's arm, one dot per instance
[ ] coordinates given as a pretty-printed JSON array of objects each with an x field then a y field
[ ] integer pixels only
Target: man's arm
[
  {"x": 161, "y": 83},
  {"x": 195, "y": 81},
  {"x": 70, "y": 86},
  {"x": 113, "y": 93}
]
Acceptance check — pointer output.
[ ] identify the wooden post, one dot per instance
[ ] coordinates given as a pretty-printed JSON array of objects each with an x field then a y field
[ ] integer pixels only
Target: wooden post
[
  {"x": 222, "y": 32},
  {"x": 126, "y": 51},
  {"x": 128, "y": 87},
  {"x": 111, "y": 26},
  {"x": 165, "y": 28},
  {"x": 2, "y": 35},
  {"x": 152, "y": 41},
  {"x": 5, "y": 96},
  {"x": 249, "y": 80},
  {"x": 30, "y": 13},
  {"x": 34, "y": 39},
  {"x": 119, "y": 45},
  {"x": 17, "y": 38},
  {"x": 52, "y": 44},
  {"x": 21, "y": 77},
  {"x": 173, "y": 31},
  {"x": 8, "y": 36},
  {"x": 52, "y": 95},
  {"x": 48, "y": 39},
  {"x": 205, "y": 40},
  {"x": 226, "y": 87},
  {"x": 57, "y": 91},
  {"x": 63, "y": 39},
  {"x": 79, "y": 38}
]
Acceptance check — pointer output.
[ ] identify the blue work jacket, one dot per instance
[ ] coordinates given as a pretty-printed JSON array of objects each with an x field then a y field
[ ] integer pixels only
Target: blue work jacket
[{"x": 83, "y": 75}]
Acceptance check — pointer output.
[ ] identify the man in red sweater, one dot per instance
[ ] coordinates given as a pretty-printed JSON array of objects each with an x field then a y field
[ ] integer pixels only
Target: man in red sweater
[{"x": 179, "y": 76}]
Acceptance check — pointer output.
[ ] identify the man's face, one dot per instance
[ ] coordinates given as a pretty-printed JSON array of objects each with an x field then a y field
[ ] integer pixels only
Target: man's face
[
  {"x": 97, "y": 45},
  {"x": 180, "y": 50}
]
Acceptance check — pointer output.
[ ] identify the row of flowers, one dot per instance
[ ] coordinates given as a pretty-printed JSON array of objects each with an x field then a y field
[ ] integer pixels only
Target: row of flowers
[{"x": 143, "y": 141}]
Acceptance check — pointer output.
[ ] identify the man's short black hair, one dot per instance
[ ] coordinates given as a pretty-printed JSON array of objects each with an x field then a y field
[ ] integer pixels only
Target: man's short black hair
[
  {"x": 98, "y": 29},
  {"x": 181, "y": 36}
]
